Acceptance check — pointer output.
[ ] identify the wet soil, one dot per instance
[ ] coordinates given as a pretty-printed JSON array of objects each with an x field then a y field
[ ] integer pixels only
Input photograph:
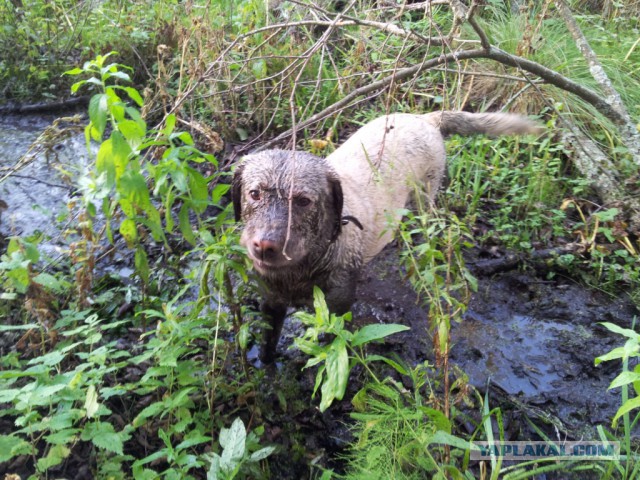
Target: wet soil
[
  {"x": 531, "y": 341},
  {"x": 528, "y": 341}
]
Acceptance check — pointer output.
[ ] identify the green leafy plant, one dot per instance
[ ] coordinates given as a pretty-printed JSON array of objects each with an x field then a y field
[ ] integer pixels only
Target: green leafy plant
[
  {"x": 240, "y": 454},
  {"x": 402, "y": 433},
  {"x": 57, "y": 398},
  {"x": 337, "y": 358}
]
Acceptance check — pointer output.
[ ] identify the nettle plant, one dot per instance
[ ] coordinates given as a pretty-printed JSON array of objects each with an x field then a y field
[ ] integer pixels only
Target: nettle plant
[{"x": 127, "y": 183}]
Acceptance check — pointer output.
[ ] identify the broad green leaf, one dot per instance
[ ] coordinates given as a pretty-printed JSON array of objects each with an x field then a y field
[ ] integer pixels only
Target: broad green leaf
[
  {"x": 134, "y": 95},
  {"x": 375, "y": 332},
  {"x": 184, "y": 137},
  {"x": 91, "y": 404},
  {"x": 360, "y": 400},
  {"x": 215, "y": 468},
  {"x": 185, "y": 225},
  {"x": 199, "y": 189},
  {"x": 76, "y": 86},
  {"x": 624, "y": 378},
  {"x": 320, "y": 306},
  {"x": 451, "y": 440},
  {"x": 631, "y": 348},
  {"x": 121, "y": 75},
  {"x": 19, "y": 278},
  {"x": 140, "y": 473},
  {"x": 133, "y": 187},
  {"x": 64, "y": 420},
  {"x": 129, "y": 231},
  {"x": 8, "y": 395},
  {"x": 392, "y": 363},
  {"x": 627, "y": 332},
  {"x": 153, "y": 221},
  {"x": 98, "y": 112},
  {"x": 104, "y": 436},
  {"x": 218, "y": 191},
  {"x": 11, "y": 446},
  {"x": 192, "y": 440},
  {"x": 74, "y": 71},
  {"x": 49, "y": 281},
  {"x": 105, "y": 162},
  {"x": 26, "y": 326},
  {"x": 243, "y": 336},
  {"x": 180, "y": 180},
  {"x": 56, "y": 456},
  {"x": 63, "y": 437},
  {"x": 607, "y": 215},
  {"x": 150, "y": 411},
  {"x": 169, "y": 198},
  {"x": 142, "y": 264},
  {"x": 117, "y": 108},
  {"x": 169, "y": 124},
  {"x": 121, "y": 152},
  {"x": 319, "y": 378},
  {"x": 308, "y": 347},
  {"x": 232, "y": 441},
  {"x": 40, "y": 395},
  {"x": 133, "y": 132},
  {"x": 49, "y": 359},
  {"x": 337, "y": 374},
  {"x": 261, "y": 454},
  {"x": 127, "y": 207},
  {"x": 626, "y": 407}
]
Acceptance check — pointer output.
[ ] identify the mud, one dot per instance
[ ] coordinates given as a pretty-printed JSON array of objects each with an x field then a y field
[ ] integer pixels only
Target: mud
[{"x": 530, "y": 341}]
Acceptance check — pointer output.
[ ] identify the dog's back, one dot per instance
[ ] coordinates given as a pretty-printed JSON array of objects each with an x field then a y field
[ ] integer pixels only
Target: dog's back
[{"x": 381, "y": 163}]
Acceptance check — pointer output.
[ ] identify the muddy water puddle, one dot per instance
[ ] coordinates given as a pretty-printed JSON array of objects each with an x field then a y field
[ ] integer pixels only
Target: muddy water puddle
[
  {"x": 530, "y": 341},
  {"x": 36, "y": 190},
  {"x": 494, "y": 345}
]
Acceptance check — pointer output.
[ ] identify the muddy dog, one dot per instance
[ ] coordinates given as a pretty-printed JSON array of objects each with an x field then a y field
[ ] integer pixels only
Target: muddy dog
[{"x": 314, "y": 221}]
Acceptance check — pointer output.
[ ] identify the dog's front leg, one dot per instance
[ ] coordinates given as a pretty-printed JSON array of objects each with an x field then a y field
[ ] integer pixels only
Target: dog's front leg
[
  {"x": 273, "y": 314},
  {"x": 342, "y": 291}
]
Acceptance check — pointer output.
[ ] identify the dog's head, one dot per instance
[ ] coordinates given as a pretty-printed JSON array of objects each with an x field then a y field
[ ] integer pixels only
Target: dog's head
[{"x": 291, "y": 203}]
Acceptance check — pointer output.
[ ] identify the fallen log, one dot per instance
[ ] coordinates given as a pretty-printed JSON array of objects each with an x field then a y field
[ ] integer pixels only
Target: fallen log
[{"x": 45, "y": 107}]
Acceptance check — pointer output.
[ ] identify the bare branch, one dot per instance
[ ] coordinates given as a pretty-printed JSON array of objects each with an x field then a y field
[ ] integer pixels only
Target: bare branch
[
  {"x": 556, "y": 79},
  {"x": 379, "y": 85},
  {"x": 385, "y": 27}
]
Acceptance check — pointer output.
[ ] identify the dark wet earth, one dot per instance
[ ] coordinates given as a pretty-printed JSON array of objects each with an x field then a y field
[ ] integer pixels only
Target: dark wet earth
[{"x": 531, "y": 342}]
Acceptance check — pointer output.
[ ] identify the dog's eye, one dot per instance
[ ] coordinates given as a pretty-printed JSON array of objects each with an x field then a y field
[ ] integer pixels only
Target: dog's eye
[
  {"x": 254, "y": 194},
  {"x": 303, "y": 201}
]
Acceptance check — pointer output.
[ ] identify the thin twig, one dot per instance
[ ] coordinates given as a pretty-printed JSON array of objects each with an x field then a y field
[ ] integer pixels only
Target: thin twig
[
  {"x": 378, "y": 85},
  {"x": 37, "y": 180}
]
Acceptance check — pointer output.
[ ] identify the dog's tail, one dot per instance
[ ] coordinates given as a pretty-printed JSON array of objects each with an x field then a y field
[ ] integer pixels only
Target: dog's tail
[{"x": 493, "y": 124}]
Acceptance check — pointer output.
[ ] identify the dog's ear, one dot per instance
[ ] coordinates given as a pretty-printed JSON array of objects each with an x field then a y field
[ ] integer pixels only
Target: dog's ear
[
  {"x": 236, "y": 191},
  {"x": 337, "y": 201}
]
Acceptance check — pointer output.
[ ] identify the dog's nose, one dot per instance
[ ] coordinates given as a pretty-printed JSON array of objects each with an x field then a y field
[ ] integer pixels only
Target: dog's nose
[{"x": 265, "y": 249}]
